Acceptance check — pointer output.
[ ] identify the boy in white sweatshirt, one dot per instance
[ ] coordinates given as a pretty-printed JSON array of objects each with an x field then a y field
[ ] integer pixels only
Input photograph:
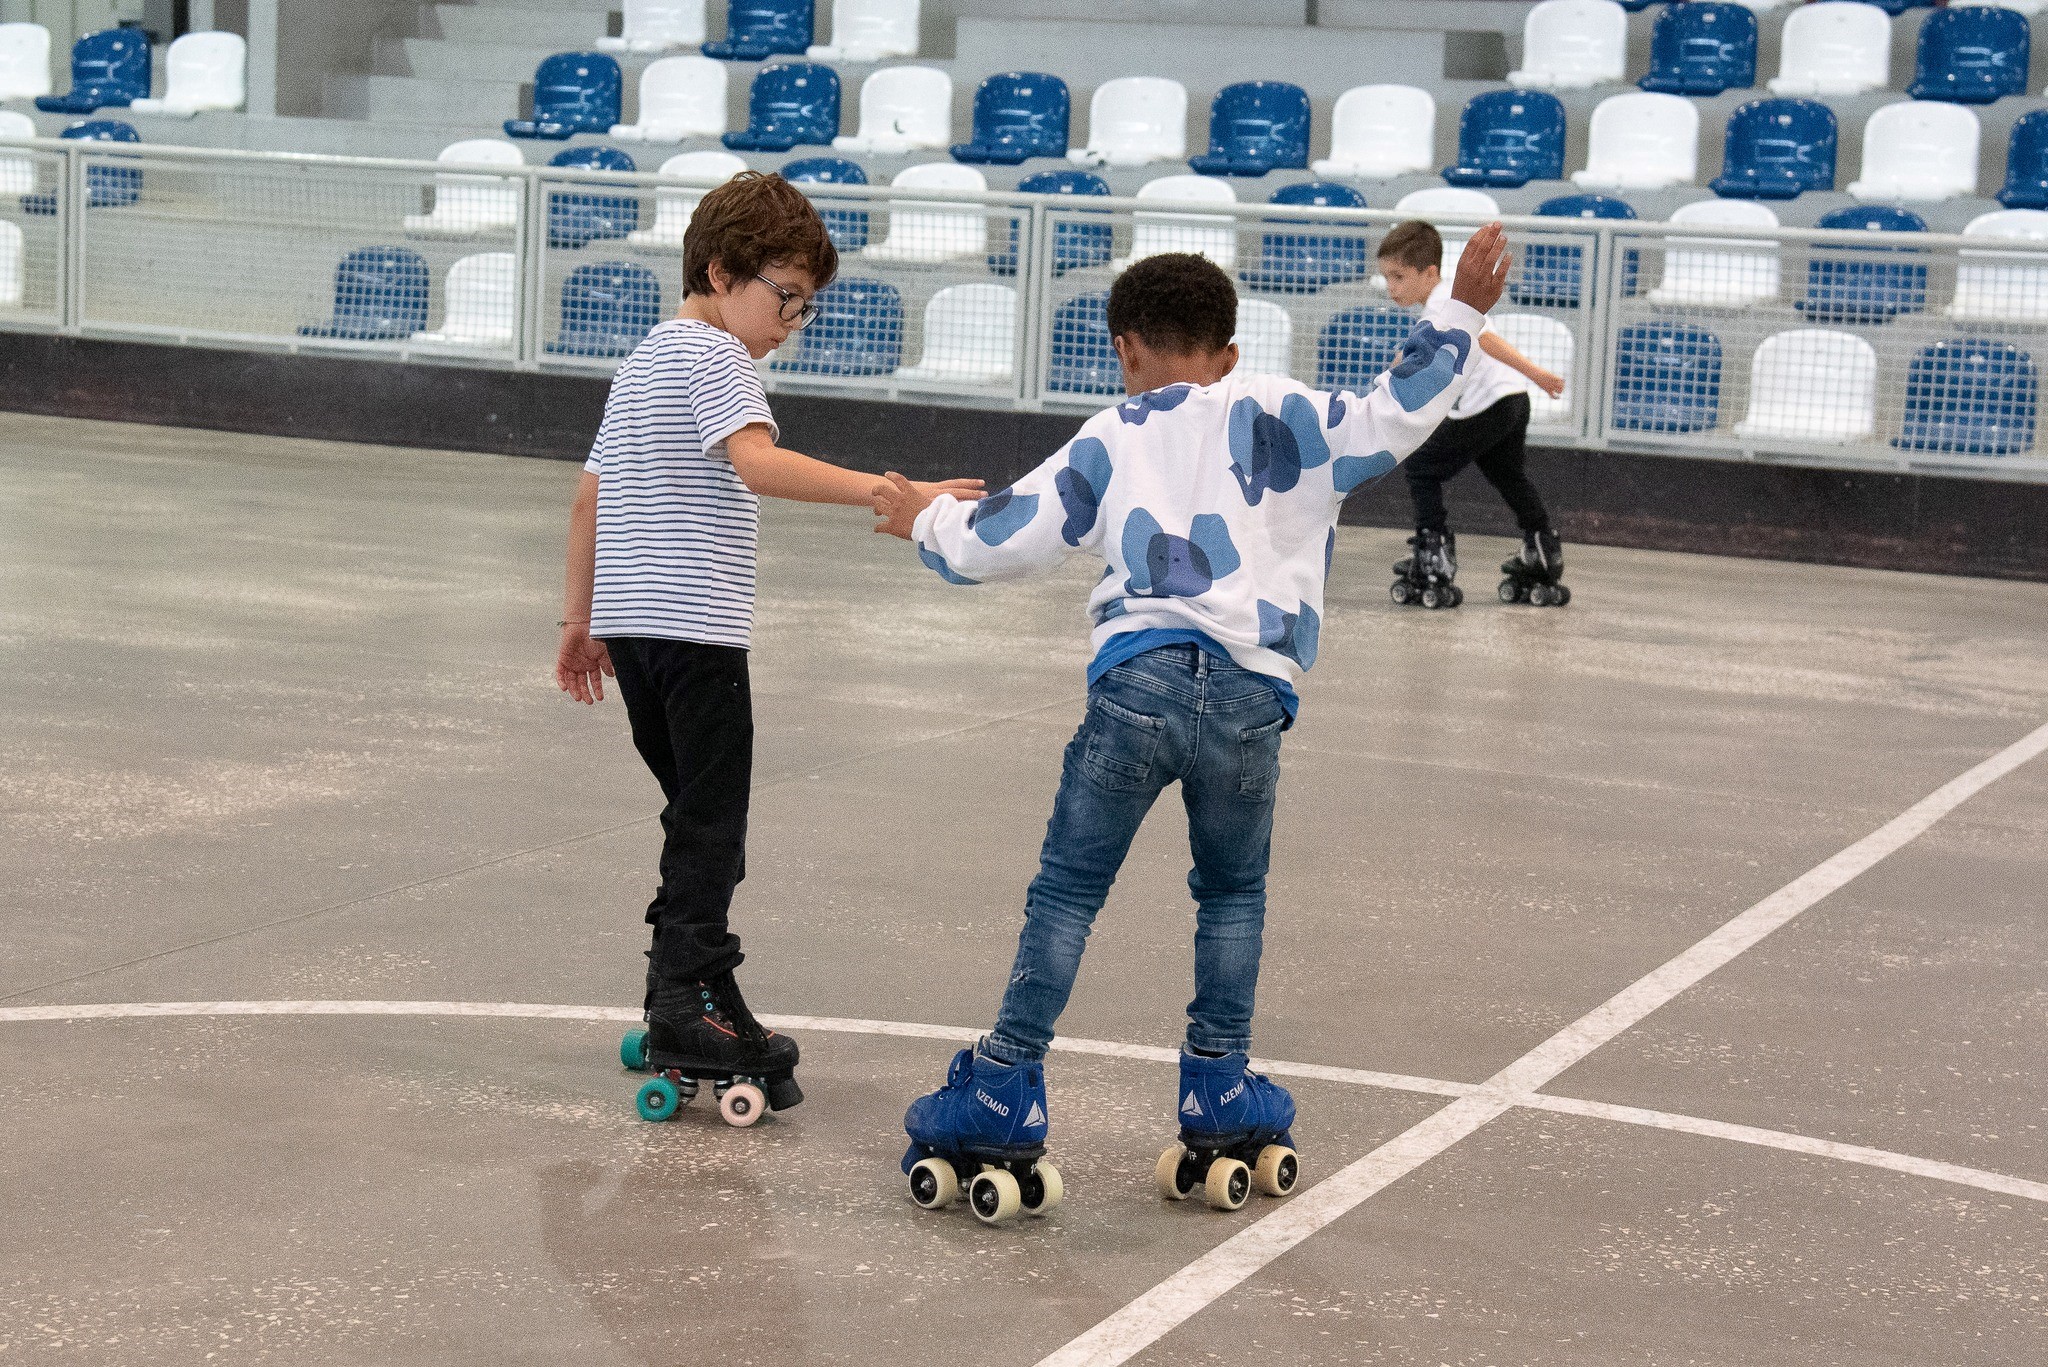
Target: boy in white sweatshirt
[{"x": 1213, "y": 497}]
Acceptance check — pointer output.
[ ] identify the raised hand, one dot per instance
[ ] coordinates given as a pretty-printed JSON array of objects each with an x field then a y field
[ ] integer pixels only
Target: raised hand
[{"x": 1483, "y": 269}]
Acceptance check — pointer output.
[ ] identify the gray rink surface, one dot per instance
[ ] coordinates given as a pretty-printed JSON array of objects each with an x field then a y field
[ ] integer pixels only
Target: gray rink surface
[{"x": 277, "y": 725}]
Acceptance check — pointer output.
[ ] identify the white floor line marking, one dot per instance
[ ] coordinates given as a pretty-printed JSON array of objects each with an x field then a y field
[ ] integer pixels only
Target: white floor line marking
[{"x": 1172, "y": 1302}]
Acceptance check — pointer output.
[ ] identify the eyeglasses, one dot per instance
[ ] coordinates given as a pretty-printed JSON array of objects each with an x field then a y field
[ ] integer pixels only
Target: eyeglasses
[{"x": 795, "y": 311}]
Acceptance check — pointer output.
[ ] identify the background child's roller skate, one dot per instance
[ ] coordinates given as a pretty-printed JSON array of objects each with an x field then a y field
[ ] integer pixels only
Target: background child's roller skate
[
  {"x": 1234, "y": 1134},
  {"x": 1534, "y": 571},
  {"x": 699, "y": 1030},
  {"x": 1425, "y": 576},
  {"x": 984, "y": 1130}
]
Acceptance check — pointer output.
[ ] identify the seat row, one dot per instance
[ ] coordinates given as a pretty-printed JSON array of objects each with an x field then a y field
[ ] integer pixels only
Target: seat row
[
  {"x": 112, "y": 70},
  {"x": 862, "y": 30}
]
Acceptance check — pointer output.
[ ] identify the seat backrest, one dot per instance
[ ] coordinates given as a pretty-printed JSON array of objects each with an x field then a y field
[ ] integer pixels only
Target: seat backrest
[
  {"x": 578, "y": 88},
  {"x": 1265, "y": 338},
  {"x": 1358, "y": 343},
  {"x": 1922, "y": 141},
  {"x": 1143, "y": 113},
  {"x": 614, "y": 298},
  {"x": 1582, "y": 41},
  {"x": 941, "y": 175},
  {"x": 1515, "y": 130},
  {"x": 1319, "y": 194},
  {"x": 822, "y": 171},
  {"x": 1385, "y": 125},
  {"x": 675, "y": 22},
  {"x": 13, "y": 273},
  {"x": 1782, "y": 140},
  {"x": 1725, "y": 213},
  {"x": 101, "y": 130},
  {"x": 1202, "y": 188},
  {"x": 796, "y": 93},
  {"x": 24, "y": 60},
  {"x": 1585, "y": 206},
  {"x": 1704, "y": 45},
  {"x": 112, "y": 59},
  {"x": 1667, "y": 378},
  {"x": 1063, "y": 183},
  {"x": 711, "y": 166},
  {"x": 481, "y": 295},
  {"x": 687, "y": 89},
  {"x": 593, "y": 159},
  {"x": 788, "y": 21},
  {"x": 1447, "y": 199},
  {"x": 1082, "y": 359},
  {"x": 914, "y": 102},
  {"x": 1027, "y": 108},
  {"x": 1268, "y": 120},
  {"x": 2026, "y": 225},
  {"x": 208, "y": 66},
  {"x": 1972, "y": 393},
  {"x": 1645, "y": 132},
  {"x": 16, "y": 127},
  {"x": 1813, "y": 379},
  {"x": 868, "y": 25},
  {"x": 482, "y": 152},
  {"x": 1874, "y": 218},
  {"x": 385, "y": 286},
  {"x": 858, "y": 330},
  {"x": 1549, "y": 344},
  {"x": 971, "y": 327},
  {"x": 1840, "y": 42},
  {"x": 1975, "y": 54}
]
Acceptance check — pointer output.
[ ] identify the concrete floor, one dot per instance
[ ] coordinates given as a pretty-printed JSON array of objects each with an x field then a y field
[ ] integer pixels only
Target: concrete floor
[{"x": 276, "y": 726}]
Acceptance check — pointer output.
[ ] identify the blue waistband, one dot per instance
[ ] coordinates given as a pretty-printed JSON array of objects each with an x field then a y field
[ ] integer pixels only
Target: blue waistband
[{"x": 1131, "y": 644}]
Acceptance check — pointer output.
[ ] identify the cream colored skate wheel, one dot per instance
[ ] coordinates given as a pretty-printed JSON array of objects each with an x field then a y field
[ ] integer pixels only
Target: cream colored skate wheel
[
  {"x": 742, "y": 1104},
  {"x": 1278, "y": 1170},
  {"x": 1230, "y": 1182},
  {"x": 933, "y": 1183},
  {"x": 1043, "y": 1189},
  {"x": 994, "y": 1196},
  {"x": 1167, "y": 1173}
]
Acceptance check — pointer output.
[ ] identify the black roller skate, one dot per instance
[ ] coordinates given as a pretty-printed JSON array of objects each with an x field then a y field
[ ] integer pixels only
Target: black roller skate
[
  {"x": 1534, "y": 572},
  {"x": 983, "y": 1131},
  {"x": 1425, "y": 576},
  {"x": 1234, "y": 1134},
  {"x": 699, "y": 1030}
]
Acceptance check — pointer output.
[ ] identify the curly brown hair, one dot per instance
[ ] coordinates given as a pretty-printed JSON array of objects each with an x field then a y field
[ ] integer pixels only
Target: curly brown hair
[
  {"x": 751, "y": 221},
  {"x": 1174, "y": 302}
]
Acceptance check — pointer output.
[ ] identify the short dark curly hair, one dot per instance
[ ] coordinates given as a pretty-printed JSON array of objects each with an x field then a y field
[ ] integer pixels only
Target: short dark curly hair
[
  {"x": 752, "y": 221},
  {"x": 1176, "y": 303}
]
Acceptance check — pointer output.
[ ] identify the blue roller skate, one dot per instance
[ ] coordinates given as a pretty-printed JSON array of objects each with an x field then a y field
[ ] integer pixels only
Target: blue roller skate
[
  {"x": 1234, "y": 1135},
  {"x": 984, "y": 1131}
]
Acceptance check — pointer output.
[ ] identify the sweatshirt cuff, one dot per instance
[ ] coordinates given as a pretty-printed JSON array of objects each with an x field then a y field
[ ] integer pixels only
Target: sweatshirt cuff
[
  {"x": 921, "y": 529},
  {"x": 1453, "y": 314}
]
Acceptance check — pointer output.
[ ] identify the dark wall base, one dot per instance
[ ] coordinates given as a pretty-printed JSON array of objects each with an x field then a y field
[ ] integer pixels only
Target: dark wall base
[{"x": 1929, "y": 523}]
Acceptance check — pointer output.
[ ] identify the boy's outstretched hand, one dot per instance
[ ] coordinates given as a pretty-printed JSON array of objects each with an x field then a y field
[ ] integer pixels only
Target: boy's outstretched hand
[
  {"x": 898, "y": 501},
  {"x": 1483, "y": 269}
]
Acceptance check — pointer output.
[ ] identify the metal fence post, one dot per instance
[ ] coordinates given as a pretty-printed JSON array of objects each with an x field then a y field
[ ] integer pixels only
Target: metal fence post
[
  {"x": 529, "y": 250},
  {"x": 1035, "y": 274},
  {"x": 71, "y": 234},
  {"x": 1600, "y": 310}
]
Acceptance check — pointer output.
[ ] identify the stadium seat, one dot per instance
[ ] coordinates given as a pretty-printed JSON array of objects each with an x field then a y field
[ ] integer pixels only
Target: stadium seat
[
  {"x": 1571, "y": 44},
  {"x": 1434, "y": 200},
  {"x": 902, "y": 109},
  {"x": 17, "y": 174},
  {"x": 858, "y": 331},
  {"x": 2026, "y": 164},
  {"x": 1358, "y": 343},
  {"x": 797, "y": 102},
  {"x": 1702, "y": 48},
  {"x": 870, "y": 31},
  {"x": 1919, "y": 150},
  {"x": 1812, "y": 385},
  {"x": 970, "y": 337},
  {"x": 584, "y": 216},
  {"x": 1378, "y": 132},
  {"x": 1549, "y": 344},
  {"x": 13, "y": 267},
  {"x": 2003, "y": 293},
  {"x": 1667, "y": 378},
  {"x": 1507, "y": 138},
  {"x": 24, "y": 61},
  {"x": 106, "y": 187},
  {"x": 480, "y": 303},
  {"x": 1643, "y": 142},
  {"x": 1081, "y": 359},
  {"x": 109, "y": 70},
  {"x": 848, "y": 228},
  {"x": 465, "y": 205},
  {"x": 1777, "y": 149},
  {"x": 1857, "y": 287},
  {"x": 1895, "y": 8},
  {"x": 1256, "y": 127},
  {"x": 926, "y": 234},
  {"x": 1017, "y": 115},
  {"x": 1972, "y": 56},
  {"x": 1552, "y": 274},
  {"x": 573, "y": 92},
  {"x": 1637, "y": 6},
  {"x": 657, "y": 26},
  {"x": 1075, "y": 246},
  {"x": 380, "y": 295},
  {"x": 1300, "y": 262},
  {"x": 1970, "y": 397},
  {"x": 680, "y": 97},
  {"x": 1134, "y": 120},
  {"x": 1837, "y": 48},
  {"x": 1716, "y": 272},
  {"x": 202, "y": 71},
  {"x": 1265, "y": 339},
  {"x": 607, "y": 307},
  {"x": 1210, "y": 235},
  {"x": 672, "y": 207},
  {"x": 756, "y": 30}
]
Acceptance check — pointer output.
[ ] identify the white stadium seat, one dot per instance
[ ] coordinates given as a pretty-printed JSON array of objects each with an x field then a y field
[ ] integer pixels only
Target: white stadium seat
[
  {"x": 1378, "y": 132},
  {"x": 24, "y": 61},
  {"x": 921, "y": 234},
  {"x": 672, "y": 208},
  {"x": 1447, "y": 199},
  {"x": 481, "y": 301},
  {"x": 1919, "y": 150},
  {"x": 2003, "y": 292},
  {"x": 869, "y": 31},
  {"x": 1717, "y": 272},
  {"x": 1210, "y": 235},
  {"x": 1642, "y": 141},
  {"x": 970, "y": 337},
  {"x": 902, "y": 109},
  {"x": 1762, "y": 6},
  {"x": 203, "y": 71},
  {"x": 17, "y": 174},
  {"x": 1812, "y": 385},
  {"x": 2026, "y": 7},
  {"x": 1838, "y": 48},
  {"x": 1571, "y": 44},
  {"x": 1134, "y": 120},
  {"x": 1265, "y": 338},
  {"x": 12, "y": 270},
  {"x": 680, "y": 97},
  {"x": 467, "y": 205},
  {"x": 657, "y": 25},
  {"x": 1548, "y": 343}
]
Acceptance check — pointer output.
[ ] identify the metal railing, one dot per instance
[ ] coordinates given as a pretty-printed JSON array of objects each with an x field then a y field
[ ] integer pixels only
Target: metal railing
[{"x": 1875, "y": 350}]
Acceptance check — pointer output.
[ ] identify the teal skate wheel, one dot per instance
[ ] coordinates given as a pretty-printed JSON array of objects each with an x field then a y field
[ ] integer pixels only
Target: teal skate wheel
[
  {"x": 633, "y": 1049},
  {"x": 659, "y": 1099}
]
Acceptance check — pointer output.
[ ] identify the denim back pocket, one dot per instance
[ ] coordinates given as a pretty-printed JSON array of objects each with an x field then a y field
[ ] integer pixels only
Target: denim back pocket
[
  {"x": 1259, "y": 752},
  {"x": 1122, "y": 746}
]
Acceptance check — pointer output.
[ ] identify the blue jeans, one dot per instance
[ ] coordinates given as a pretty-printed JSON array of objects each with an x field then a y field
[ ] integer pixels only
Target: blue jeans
[{"x": 1171, "y": 713}]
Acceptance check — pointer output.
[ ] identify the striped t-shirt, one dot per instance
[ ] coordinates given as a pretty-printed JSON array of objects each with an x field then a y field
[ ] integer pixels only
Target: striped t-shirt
[{"x": 676, "y": 527}]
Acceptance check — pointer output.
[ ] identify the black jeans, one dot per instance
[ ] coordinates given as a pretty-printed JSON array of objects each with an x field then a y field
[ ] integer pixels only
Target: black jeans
[
  {"x": 692, "y": 715},
  {"x": 1492, "y": 439}
]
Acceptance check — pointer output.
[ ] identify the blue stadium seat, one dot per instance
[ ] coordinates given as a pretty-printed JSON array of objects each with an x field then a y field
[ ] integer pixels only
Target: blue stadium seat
[
  {"x": 1667, "y": 378},
  {"x": 106, "y": 187},
  {"x": 1552, "y": 275},
  {"x": 758, "y": 29},
  {"x": 1017, "y": 115},
  {"x": 109, "y": 70},
  {"x": 1256, "y": 127},
  {"x": 1972, "y": 56},
  {"x": 1970, "y": 397},
  {"x": 1082, "y": 359},
  {"x": 858, "y": 331},
  {"x": 1702, "y": 48},
  {"x": 1855, "y": 288},
  {"x": 1508, "y": 138},
  {"x": 794, "y": 103},
  {"x": 1358, "y": 343},
  {"x": 1075, "y": 246},
  {"x": 848, "y": 228},
  {"x": 2026, "y": 164},
  {"x": 1777, "y": 149},
  {"x": 380, "y": 295},
  {"x": 1637, "y": 6},
  {"x": 584, "y": 216},
  {"x": 1895, "y": 8},
  {"x": 1296, "y": 262},
  {"x": 607, "y": 307},
  {"x": 573, "y": 92}
]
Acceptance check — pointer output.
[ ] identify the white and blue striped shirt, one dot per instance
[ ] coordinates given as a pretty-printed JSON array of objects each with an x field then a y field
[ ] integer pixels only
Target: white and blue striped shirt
[{"x": 676, "y": 527}]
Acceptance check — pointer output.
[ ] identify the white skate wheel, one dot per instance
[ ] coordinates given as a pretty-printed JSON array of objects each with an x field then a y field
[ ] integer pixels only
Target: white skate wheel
[
  {"x": 994, "y": 1196},
  {"x": 1167, "y": 1173},
  {"x": 1230, "y": 1182},
  {"x": 933, "y": 1183},
  {"x": 1045, "y": 1184},
  {"x": 742, "y": 1104},
  {"x": 1278, "y": 1170}
]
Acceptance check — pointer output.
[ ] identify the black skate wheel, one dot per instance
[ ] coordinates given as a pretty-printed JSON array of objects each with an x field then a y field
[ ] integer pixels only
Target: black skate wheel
[
  {"x": 1564, "y": 594},
  {"x": 1431, "y": 598},
  {"x": 1454, "y": 597},
  {"x": 1508, "y": 592},
  {"x": 1400, "y": 593},
  {"x": 933, "y": 1183}
]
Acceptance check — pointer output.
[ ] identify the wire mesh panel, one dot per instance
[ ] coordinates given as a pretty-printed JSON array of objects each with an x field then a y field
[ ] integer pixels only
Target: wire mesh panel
[{"x": 33, "y": 216}]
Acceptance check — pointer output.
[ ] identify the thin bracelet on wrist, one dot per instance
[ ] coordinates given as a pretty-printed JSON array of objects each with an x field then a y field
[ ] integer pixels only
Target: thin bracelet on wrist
[{"x": 574, "y": 622}]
